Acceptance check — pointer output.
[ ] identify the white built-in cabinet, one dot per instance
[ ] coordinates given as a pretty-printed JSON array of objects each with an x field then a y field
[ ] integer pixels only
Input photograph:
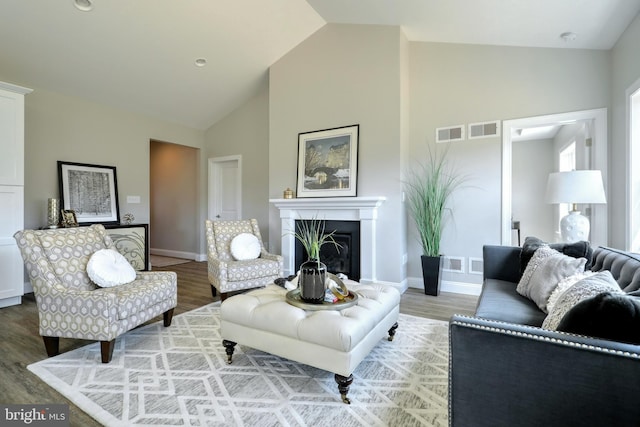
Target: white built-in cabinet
[{"x": 11, "y": 191}]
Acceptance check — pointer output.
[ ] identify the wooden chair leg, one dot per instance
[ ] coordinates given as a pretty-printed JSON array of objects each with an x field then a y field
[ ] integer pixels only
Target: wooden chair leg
[
  {"x": 229, "y": 347},
  {"x": 167, "y": 317},
  {"x": 52, "y": 345},
  {"x": 106, "y": 350},
  {"x": 223, "y": 296},
  {"x": 213, "y": 291}
]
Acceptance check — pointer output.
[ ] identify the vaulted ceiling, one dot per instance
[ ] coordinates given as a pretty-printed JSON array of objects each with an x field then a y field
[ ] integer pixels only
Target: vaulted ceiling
[{"x": 139, "y": 55}]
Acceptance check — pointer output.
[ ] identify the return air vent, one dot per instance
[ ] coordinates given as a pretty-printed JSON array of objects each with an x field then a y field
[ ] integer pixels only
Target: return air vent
[
  {"x": 484, "y": 130},
  {"x": 449, "y": 134},
  {"x": 453, "y": 264},
  {"x": 475, "y": 266}
]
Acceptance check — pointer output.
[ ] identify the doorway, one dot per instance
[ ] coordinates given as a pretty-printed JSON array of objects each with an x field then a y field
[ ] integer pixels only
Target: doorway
[
  {"x": 225, "y": 188},
  {"x": 597, "y": 120},
  {"x": 174, "y": 202}
]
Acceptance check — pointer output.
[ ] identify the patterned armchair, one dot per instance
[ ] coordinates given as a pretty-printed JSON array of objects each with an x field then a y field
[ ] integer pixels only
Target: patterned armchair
[
  {"x": 70, "y": 305},
  {"x": 228, "y": 275}
]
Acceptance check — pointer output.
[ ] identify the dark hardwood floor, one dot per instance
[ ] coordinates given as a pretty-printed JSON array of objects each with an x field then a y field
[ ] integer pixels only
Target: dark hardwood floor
[{"x": 21, "y": 344}]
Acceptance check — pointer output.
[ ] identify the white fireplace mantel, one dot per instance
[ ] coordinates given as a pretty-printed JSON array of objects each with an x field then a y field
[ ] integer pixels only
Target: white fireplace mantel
[{"x": 363, "y": 209}]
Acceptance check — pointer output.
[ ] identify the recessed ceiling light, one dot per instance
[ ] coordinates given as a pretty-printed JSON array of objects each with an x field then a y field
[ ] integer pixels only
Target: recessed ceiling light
[
  {"x": 201, "y": 62},
  {"x": 83, "y": 5},
  {"x": 568, "y": 36}
]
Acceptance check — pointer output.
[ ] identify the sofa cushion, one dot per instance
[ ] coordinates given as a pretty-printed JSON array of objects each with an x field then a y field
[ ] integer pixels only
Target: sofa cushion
[
  {"x": 546, "y": 268},
  {"x": 580, "y": 291},
  {"x": 500, "y": 301},
  {"x": 252, "y": 269},
  {"x": 613, "y": 316},
  {"x": 576, "y": 250}
]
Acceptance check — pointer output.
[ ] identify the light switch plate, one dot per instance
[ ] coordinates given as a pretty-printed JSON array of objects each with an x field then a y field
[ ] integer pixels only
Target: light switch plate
[{"x": 133, "y": 199}]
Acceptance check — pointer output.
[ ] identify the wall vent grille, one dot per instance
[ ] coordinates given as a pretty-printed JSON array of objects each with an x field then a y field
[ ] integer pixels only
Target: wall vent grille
[
  {"x": 453, "y": 264},
  {"x": 484, "y": 130},
  {"x": 475, "y": 266},
  {"x": 450, "y": 134}
]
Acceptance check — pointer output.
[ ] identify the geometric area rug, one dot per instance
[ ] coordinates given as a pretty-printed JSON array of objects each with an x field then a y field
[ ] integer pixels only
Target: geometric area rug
[{"x": 178, "y": 376}]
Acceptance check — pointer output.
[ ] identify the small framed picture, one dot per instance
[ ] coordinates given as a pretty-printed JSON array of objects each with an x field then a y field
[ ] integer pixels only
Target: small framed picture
[
  {"x": 69, "y": 218},
  {"x": 328, "y": 162}
]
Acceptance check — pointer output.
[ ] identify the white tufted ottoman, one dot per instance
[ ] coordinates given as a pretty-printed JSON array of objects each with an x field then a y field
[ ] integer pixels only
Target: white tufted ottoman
[{"x": 332, "y": 340}]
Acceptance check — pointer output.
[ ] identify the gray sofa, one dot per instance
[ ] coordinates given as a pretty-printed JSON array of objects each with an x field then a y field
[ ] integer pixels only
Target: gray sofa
[{"x": 505, "y": 370}]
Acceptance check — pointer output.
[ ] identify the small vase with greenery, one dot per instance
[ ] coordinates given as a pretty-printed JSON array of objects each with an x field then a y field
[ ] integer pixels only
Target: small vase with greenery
[
  {"x": 312, "y": 235},
  {"x": 428, "y": 189}
]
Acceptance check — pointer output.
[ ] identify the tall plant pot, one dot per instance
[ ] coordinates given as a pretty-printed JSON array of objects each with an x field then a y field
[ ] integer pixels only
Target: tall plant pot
[
  {"x": 431, "y": 267},
  {"x": 311, "y": 281}
]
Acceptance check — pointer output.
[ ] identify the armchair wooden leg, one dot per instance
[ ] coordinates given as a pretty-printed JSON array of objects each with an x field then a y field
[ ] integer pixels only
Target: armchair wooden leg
[
  {"x": 213, "y": 291},
  {"x": 52, "y": 345},
  {"x": 106, "y": 350},
  {"x": 223, "y": 296},
  {"x": 167, "y": 317}
]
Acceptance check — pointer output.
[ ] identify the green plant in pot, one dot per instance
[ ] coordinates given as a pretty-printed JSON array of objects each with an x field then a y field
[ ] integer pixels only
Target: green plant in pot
[
  {"x": 428, "y": 189},
  {"x": 313, "y": 272}
]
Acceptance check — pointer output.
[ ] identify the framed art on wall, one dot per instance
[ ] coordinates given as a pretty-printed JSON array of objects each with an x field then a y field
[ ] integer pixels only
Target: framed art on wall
[
  {"x": 91, "y": 191},
  {"x": 328, "y": 162}
]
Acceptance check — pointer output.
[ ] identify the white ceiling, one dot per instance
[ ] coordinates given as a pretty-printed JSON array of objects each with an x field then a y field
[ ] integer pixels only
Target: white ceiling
[{"x": 139, "y": 55}]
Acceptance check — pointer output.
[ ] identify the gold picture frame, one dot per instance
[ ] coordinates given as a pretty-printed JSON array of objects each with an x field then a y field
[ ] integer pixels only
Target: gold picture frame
[{"x": 68, "y": 218}]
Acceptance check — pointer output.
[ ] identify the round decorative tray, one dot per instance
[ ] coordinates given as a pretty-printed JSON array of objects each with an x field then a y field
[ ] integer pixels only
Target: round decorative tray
[{"x": 293, "y": 298}]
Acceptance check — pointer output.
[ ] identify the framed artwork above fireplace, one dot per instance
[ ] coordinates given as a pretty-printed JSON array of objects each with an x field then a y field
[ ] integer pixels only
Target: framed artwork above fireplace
[{"x": 328, "y": 162}]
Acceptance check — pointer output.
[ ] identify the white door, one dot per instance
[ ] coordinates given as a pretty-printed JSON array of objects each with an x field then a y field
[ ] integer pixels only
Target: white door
[{"x": 225, "y": 188}]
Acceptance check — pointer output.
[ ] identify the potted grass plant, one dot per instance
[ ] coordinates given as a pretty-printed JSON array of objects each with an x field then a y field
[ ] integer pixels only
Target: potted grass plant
[
  {"x": 313, "y": 272},
  {"x": 428, "y": 189}
]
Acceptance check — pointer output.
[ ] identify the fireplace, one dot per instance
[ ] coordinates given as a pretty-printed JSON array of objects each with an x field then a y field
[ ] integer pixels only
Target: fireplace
[
  {"x": 344, "y": 260},
  {"x": 361, "y": 210}
]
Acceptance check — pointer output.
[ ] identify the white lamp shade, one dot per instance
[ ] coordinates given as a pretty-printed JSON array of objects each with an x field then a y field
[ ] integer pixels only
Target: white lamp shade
[{"x": 583, "y": 186}]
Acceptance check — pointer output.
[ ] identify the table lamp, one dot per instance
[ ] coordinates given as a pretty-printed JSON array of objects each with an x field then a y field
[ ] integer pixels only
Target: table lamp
[{"x": 581, "y": 186}]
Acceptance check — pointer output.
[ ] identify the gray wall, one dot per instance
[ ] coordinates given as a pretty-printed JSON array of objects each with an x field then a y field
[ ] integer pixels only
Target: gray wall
[
  {"x": 60, "y": 127},
  {"x": 532, "y": 163},
  {"x": 339, "y": 76},
  {"x": 455, "y": 84},
  {"x": 246, "y": 132}
]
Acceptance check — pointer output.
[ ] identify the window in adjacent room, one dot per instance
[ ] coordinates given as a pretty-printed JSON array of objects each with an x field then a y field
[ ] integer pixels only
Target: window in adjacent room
[{"x": 567, "y": 164}]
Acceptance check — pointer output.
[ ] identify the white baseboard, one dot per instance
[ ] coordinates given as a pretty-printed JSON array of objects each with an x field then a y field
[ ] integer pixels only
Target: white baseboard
[
  {"x": 449, "y": 286},
  {"x": 7, "y": 302},
  {"x": 174, "y": 254}
]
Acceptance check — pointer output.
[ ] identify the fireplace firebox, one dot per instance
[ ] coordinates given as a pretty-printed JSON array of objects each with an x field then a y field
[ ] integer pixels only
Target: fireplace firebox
[{"x": 346, "y": 260}]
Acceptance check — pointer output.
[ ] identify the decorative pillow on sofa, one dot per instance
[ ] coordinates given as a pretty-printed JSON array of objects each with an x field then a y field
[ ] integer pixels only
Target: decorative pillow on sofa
[
  {"x": 614, "y": 316},
  {"x": 565, "y": 284},
  {"x": 580, "y": 291},
  {"x": 576, "y": 250},
  {"x": 546, "y": 268},
  {"x": 108, "y": 268},
  {"x": 245, "y": 246}
]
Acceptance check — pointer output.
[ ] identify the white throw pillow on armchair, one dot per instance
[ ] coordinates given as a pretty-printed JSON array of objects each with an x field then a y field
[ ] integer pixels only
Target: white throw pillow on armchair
[
  {"x": 108, "y": 268},
  {"x": 245, "y": 246}
]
